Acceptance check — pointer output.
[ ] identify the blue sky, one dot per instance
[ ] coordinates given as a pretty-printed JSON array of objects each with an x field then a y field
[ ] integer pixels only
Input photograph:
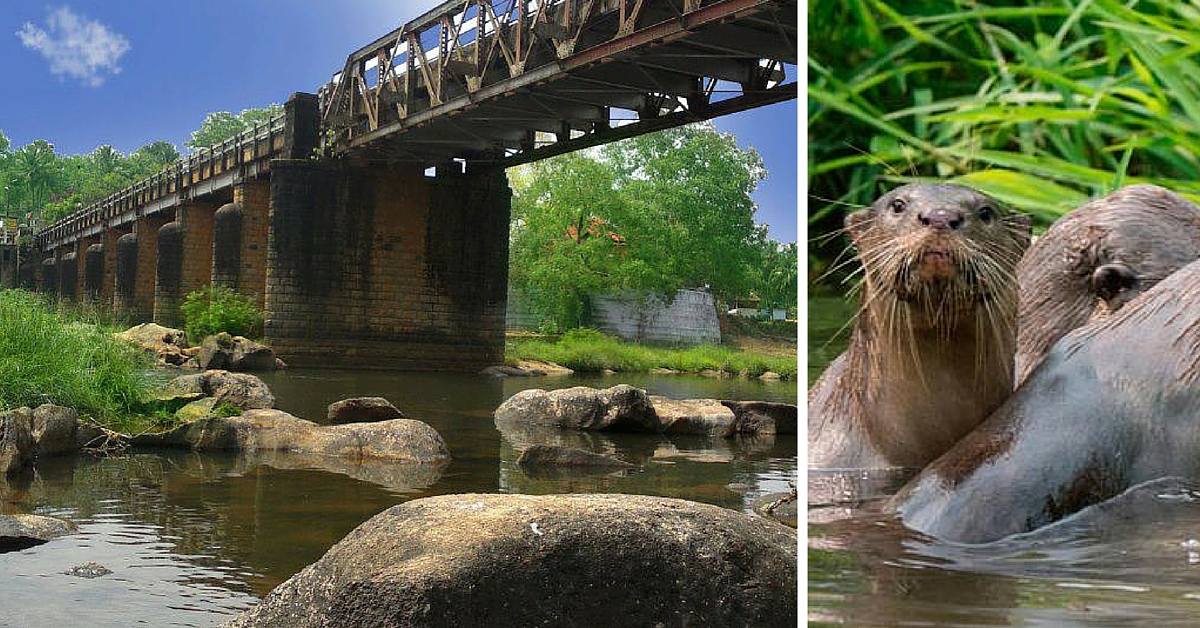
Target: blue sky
[{"x": 91, "y": 72}]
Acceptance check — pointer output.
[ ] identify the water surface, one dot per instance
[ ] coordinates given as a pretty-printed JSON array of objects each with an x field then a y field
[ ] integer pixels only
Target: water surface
[{"x": 193, "y": 539}]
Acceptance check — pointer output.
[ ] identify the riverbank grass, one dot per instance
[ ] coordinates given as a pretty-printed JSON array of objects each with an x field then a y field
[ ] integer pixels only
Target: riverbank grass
[
  {"x": 51, "y": 357},
  {"x": 587, "y": 350}
]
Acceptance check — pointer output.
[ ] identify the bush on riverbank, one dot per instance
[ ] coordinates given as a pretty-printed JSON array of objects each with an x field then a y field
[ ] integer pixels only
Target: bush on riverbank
[
  {"x": 588, "y": 350},
  {"x": 52, "y": 357},
  {"x": 215, "y": 309}
]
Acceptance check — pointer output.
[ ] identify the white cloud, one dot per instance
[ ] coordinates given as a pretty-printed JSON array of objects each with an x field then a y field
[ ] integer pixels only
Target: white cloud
[{"x": 76, "y": 46}]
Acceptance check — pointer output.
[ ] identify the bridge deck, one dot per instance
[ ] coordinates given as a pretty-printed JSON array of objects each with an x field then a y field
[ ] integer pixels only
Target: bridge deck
[
  {"x": 508, "y": 81},
  {"x": 202, "y": 172}
]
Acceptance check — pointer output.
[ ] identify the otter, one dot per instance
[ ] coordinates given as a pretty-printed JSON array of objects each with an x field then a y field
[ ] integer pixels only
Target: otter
[
  {"x": 931, "y": 354},
  {"x": 1114, "y": 403},
  {"x": 1097, "y": 258}
]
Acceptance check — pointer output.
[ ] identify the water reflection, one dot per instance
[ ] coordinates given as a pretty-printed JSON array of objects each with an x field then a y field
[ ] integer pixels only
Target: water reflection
[{"x": 192, "y": 539}]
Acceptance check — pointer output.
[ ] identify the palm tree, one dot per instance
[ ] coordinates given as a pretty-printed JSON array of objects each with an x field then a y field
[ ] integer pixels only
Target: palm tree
[{"x": 35, "y": 167}]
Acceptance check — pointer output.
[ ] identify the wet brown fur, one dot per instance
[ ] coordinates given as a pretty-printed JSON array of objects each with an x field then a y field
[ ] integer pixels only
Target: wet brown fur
[
  {"x": 1147, "y": 230},
  {"x": 931, "y": 352}
]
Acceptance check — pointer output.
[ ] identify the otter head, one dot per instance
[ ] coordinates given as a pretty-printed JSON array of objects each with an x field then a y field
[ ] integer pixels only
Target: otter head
[
  {"x": 944, "y": 251},
  {"x": 1096, "y": 259}
]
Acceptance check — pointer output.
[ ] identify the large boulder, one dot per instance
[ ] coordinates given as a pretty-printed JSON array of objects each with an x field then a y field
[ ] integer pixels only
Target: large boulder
[
  {"x": 399, "y": 440},
  {"x": 762, "y": 417},
  {"x": 167, "y": 345},
  {"x": 55, "y": 430},
  {"x": 361, "y": 410},
  {"x": 693, "y": 416},
  {"x": 18, "y": 532},
  {"x": 621, "y": 407},
  {"x": 46, "y": 431},
  {"x": 234, "y": 353},
  {"x": 237, "y": 389},
  {"x": 16, "y": 440},
  {"x": 553, "y": 560}
]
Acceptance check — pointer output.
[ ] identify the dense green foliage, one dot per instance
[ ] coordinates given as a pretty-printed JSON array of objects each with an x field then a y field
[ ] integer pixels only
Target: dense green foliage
[
  {"x": 1041, "y": 104},
  {"x": 222, "y": 125},
  {"x": 588, "y": 350},
  {"x": 49, "y": 357},
  {"x": 36, "y": 180},
  {"x": 215, "y": 309},
  {"x": 658, "y": 212}
]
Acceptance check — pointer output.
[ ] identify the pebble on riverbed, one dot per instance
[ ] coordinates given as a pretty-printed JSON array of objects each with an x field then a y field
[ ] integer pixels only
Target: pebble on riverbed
[{"x": 88, "y": 570}]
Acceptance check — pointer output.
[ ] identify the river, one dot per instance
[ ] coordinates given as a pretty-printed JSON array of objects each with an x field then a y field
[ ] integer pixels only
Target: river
[
  {"x": 193, "y": 539},
  {"x": 1133, "y": 561}
]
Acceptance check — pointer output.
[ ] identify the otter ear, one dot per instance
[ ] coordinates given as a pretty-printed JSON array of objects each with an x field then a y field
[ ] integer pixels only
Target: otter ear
[
  {"x": 856, "y": 223},
  {"x": 1022, "y": 228}
]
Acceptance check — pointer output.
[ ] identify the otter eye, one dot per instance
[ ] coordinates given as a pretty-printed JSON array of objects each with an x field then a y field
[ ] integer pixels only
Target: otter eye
[
  {"x": 986, "y": 213},
  {"x": 897, "y": 206}
]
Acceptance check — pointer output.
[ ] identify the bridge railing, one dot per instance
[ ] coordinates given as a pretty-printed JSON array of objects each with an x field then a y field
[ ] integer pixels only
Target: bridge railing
[
  {"x": 259, "y": 142},
  {"x": 459, "y": 47},
  {"x": 575, "y": 67}
]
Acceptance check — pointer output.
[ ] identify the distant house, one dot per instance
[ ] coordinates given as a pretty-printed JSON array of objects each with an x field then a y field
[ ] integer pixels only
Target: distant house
[{"x": 750, "y": 307}]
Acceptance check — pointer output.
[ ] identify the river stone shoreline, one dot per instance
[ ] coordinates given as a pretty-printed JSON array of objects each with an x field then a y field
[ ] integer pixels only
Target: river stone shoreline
[
  {"x": 45, "y": 431},
  {"x": 399, "y": 440},
  {"x": 170, "y": 349},
  {"x": 553, "y": 560},
  {"x": 625, "y": 408}
]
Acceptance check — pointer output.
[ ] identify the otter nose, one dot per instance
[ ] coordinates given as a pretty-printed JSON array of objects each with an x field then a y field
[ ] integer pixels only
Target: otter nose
[{"x": 942, "y": 218}]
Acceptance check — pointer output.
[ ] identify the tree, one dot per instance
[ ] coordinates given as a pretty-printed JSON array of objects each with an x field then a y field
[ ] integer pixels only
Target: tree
[
  {"x": 222, "y": 125},
  {"x": 36, "y": 179},
  {"x": 36, "y": 170},
  {"x": 776, "y": 284},
  {"x": 649, "y": 214},
  {"x": 152, "y": 157}
]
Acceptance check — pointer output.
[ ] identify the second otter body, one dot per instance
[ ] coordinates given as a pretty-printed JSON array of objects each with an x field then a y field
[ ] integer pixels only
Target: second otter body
[
  {"x": 1097, "y": 258},
  {"x": 931, "y": 354}
]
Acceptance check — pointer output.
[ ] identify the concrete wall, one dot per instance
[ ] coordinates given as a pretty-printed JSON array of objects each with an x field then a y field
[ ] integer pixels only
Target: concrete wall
[
  {"x": 689, "y": 319},
  {"x": 381, "y": 267}
]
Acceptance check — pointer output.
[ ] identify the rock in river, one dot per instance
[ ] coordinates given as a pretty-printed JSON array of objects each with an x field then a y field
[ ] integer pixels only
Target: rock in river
[
  {"x": 168, "y": 345},
  {"x": 18, "y": 532},
  {"x": 234, "y": 353},
  {"x": 621, "y": 407},
  {"x": 552, "y": 560},
  {"x": 16, "y": 441},
  {"x": 362, "y": 409},
  {"x": 237, "y": 389},
  {"x": 400, "y": 440},
  {"x": 693, "y": 416},
  {"x": 762, "y": 417}
]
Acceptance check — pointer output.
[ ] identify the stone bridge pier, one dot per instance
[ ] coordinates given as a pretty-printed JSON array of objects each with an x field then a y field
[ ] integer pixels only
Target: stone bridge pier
[
  {"x": 354, "y": 264},
  {"x": 383, "y": 267}
]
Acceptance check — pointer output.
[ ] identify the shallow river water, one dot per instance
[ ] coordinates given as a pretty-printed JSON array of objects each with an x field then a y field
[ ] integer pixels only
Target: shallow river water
[
  {"x": 194, "y": 539},
  {"x": 1132, "y": 561}
]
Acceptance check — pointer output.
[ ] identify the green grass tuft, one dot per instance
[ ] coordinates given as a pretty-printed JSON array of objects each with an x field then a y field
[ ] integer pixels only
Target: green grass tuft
[
  {"x": 215, "y": 309},
  {"x": 588, "y": 350},
  {"x": 52, "y": 357}
]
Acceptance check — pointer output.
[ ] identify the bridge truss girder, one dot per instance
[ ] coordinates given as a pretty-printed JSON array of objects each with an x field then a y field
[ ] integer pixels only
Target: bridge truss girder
[{"x": 501, "y": 82}]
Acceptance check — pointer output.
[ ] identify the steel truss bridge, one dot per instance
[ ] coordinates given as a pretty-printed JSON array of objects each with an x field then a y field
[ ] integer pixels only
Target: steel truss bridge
[{"x": 502, "y": 82}]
